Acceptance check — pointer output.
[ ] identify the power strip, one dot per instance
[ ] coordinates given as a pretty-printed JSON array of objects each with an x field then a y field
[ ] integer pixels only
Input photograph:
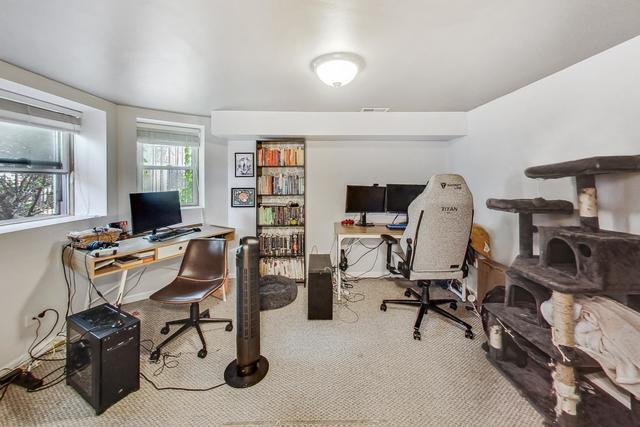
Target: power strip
[{"x": 10, "y": 376}]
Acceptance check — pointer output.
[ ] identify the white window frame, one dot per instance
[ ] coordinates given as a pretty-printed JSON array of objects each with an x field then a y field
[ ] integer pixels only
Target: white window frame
[
  {"x": 65, "y": 173},
  {"x": 197, "y": 161}
]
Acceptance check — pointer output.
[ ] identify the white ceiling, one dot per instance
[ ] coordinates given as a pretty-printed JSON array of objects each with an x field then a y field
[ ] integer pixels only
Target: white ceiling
[{"x": 195, "y": 56}]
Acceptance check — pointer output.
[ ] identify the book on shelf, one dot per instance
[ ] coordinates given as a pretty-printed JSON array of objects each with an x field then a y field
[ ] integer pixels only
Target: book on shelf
[
  {"x": 281, "y": 243},
  {"x": 288, "y": 267},
  {"x": 280, "y": 215},
  {"x": 281, "y": 184},
  {"x": 127, "y": 261},
  {"x": 281, "y": 156}
]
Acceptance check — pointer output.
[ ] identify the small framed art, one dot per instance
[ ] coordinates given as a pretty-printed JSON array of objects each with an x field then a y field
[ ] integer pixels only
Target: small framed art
[
  {"x": 243, "y": 197},
  {"x": 244, "y": 165}
]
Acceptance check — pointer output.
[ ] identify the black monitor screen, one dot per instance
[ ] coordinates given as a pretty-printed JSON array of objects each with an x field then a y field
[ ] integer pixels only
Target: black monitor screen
[
  {"x": 362, "y": 198},
  {"x": 400, "y": 196},
  {"x": 150, "y": 211}
]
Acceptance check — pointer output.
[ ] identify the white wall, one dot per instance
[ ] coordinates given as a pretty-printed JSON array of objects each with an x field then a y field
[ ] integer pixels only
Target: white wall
[
  {"x": 331, "y": 165},
  {"x": 329, "y": 126},
  {"x": 32, "y": 278},
  {"x": 589, "y": 109},
  {"x": 242, "y": 219}
]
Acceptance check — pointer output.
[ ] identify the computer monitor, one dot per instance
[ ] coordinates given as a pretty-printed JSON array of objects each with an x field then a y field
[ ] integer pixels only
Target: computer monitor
[
  {"x": 362, "y": 199},
  {"x": 400, "y": 196},
  {"x": 154, "y": 210}
]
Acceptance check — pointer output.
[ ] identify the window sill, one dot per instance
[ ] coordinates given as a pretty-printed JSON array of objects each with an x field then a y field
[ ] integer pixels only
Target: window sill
[
  {"x": 20, "y": 226},
  {"x": 190, "y": 208}
]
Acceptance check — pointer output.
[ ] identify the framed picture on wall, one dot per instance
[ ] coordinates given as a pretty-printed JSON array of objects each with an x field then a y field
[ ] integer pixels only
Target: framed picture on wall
[
  {"x": 244, "y": 165},
  {"x": 243, "y": 197}
]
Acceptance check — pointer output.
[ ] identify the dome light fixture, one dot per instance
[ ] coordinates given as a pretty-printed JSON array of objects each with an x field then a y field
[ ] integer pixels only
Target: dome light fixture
[{"x": 337, "y": 69}]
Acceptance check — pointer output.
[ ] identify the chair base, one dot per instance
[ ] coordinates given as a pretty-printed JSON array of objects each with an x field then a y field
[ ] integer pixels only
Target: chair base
[
  {"x": 194, "y": 320},
  {"x": 424, "y": 304}
]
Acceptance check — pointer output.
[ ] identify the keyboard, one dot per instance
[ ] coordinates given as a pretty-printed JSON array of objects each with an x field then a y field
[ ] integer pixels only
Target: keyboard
[
  {"x": 396, "y": 226},
  {"x": 161, "y": 237}
]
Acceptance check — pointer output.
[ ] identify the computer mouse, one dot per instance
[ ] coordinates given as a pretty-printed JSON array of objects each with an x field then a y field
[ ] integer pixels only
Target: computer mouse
[{"x": 196, "y": 229}]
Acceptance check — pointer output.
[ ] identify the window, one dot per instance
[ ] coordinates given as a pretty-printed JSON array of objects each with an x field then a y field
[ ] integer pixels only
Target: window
[
  {"x": 35, "y": 161},
  {"x": 168, "y": 160}
]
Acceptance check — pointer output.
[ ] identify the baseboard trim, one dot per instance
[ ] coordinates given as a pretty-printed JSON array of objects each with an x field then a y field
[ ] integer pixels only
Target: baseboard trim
[{"x": 23, "y": 359}]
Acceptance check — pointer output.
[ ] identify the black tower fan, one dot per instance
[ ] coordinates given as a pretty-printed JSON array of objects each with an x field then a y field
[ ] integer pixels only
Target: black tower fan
[{"x": 250, "y": 367}]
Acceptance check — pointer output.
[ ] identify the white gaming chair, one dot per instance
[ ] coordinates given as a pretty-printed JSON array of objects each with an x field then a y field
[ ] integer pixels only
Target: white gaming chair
[{"x": 434, "y": 245}]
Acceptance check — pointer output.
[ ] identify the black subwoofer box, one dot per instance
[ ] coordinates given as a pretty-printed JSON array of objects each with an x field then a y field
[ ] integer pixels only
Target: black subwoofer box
[
  {"x": 320, "y": 288},
  {"x": 103, "y": 355}
]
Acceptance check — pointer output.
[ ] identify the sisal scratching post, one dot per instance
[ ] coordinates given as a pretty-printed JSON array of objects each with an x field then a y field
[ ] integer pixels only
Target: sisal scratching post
[
  {"x": 564, "y": 380},
  {"x": 588, "y": 201},
  {"x": 495, "y": 342}
]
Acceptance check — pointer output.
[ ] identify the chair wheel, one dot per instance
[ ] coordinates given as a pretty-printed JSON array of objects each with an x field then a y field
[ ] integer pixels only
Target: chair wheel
[
  {"x": 164, "y": 330},
  {"x": 453, "y": 306},
  {"x": 407, "y": 293},
  {"x": 383, "y": 307},
  {"x": 229, "y": 327},
  {"x": 154, "y": 356},
  {"x": 202, "y": 353},
  {"x": 416, "y": 335},
  {"x": 468, "y": 334}
]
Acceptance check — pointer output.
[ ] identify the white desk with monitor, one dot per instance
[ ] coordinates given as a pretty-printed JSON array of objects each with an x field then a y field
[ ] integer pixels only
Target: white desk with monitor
[
  {"x": 82, "y": 262},
  {"x": 357, "y": 232}
]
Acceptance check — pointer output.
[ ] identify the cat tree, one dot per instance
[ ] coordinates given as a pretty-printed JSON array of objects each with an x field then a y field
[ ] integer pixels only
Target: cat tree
[{"x": 543, "y": 362}]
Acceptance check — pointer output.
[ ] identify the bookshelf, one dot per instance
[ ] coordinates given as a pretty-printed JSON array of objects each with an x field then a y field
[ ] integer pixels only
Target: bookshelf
[{"x": 280, "y": 215}]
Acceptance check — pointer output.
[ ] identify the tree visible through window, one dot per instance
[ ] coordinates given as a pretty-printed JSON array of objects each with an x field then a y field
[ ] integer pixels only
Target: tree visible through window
[
  {"x": 168, "y": 160},
  {"x": 34, "y": 172}
]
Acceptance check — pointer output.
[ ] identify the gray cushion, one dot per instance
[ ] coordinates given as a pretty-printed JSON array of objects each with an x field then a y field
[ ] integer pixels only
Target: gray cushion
[{"x": 277, "y": 292}]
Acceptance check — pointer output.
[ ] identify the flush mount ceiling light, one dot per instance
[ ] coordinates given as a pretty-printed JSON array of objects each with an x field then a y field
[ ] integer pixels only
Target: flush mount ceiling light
[{"x": 337, "y": 69}]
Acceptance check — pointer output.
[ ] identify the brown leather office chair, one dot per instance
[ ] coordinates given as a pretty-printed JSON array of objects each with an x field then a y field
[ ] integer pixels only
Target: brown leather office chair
[{"x": 202, "y": 272}]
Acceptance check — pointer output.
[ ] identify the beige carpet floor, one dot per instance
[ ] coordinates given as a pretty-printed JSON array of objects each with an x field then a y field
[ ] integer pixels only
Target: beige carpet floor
[{"x": 362, "y": 368}]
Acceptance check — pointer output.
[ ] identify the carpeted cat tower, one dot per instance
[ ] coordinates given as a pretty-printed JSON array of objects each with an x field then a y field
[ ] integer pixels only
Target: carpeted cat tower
[{"x": 540, "y": 359}]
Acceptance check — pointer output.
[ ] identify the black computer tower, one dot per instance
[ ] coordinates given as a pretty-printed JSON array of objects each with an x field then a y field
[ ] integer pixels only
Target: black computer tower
[
  {"x": 320, "y": 288},
  {"x": 103, "y": 355}
]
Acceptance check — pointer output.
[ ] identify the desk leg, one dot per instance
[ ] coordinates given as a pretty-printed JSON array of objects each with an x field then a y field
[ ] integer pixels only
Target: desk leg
[
  {"x": 123, "y": 283},
  {"x": 338, "y": 275}
]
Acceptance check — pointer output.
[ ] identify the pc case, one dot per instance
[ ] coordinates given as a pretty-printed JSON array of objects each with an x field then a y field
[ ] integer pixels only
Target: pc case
[
  {"x": 320, "y": 295},
  {"x": 103, "y": 355}
]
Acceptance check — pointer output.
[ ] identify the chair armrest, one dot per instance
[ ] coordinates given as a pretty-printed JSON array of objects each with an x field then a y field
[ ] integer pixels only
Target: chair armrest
[{"x": 389, "y": 239}]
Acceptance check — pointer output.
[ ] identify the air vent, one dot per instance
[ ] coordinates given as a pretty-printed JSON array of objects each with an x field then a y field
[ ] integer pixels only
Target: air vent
[{"x": 374, "y": 109}]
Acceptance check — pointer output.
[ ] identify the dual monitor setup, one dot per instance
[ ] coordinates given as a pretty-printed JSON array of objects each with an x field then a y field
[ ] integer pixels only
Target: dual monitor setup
[
  {"x": 394, "y": 198},
  {"x": 155, "y": 210},
  {"x": 161, "y": 209}
]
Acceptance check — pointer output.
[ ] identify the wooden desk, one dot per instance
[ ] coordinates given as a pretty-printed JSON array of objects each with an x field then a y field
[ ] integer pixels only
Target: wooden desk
[
  {"x": 357, "y": 232},
  {"x": 85, "y": 264}
]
